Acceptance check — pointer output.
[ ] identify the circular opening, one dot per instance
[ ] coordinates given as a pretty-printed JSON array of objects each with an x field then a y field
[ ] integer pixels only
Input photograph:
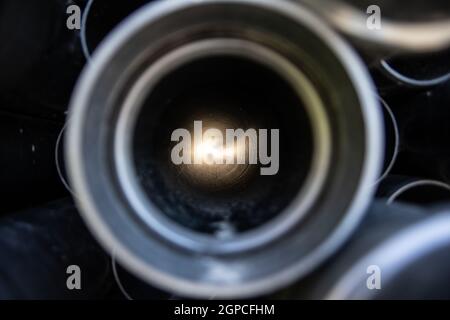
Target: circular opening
[{"x": 224, "y": 185}]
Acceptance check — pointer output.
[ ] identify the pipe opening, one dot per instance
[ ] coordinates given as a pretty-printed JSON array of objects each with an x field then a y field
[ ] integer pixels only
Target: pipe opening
[{"x": 224, "y": 92}]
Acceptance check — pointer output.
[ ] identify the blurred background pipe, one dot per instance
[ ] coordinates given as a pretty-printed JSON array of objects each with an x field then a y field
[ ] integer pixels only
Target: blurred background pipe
[
  {"x": 392, "y": 139},
  {"x": 27, "y": 147},
  {"x": 410, "y": 49},
  {"x": 220, "y": 221},
  {"x": 420, "y": 192},
  {"x": 418, "y": 70},
  {"x": 40, "y": 59},
  {"x": 403, "y": 244},
  {"x": 28, "y": 29}
]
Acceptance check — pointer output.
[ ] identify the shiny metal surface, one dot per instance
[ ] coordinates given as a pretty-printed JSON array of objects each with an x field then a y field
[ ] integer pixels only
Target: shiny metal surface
[
  {"x": 96, "y": 147},
  {"x": 424, "y": 244}
]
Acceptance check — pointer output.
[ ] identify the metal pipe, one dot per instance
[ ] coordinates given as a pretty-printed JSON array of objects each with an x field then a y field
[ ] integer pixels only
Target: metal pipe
[
  {"x": 40, "y": 58},
  {"x": 27, "y": 147},
  {"x": 418, "y": 70},
  {"x": 240, "y": 63},
  {"x": 419, "y": 27}
]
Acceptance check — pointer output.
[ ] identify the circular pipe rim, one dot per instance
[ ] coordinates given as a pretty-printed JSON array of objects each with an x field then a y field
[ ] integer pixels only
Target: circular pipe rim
[{"x": 417, "y": 183}]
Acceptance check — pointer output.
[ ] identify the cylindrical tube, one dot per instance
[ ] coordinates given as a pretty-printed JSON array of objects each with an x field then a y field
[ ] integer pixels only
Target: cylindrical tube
[
  {"x": 399, "y": 252},
  {"x": 100, "y": 17},
  {"x": 265, "y": 65},
  {"x": 22, "y": 49},
  {"x": 27, "y": 162}
]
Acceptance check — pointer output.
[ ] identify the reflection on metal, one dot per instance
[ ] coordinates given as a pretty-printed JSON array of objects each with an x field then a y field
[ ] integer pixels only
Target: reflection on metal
[
  {"x": 389, "y": 163},
  {"x": 414, "y": 81},
  {"x": 410, "y": 36}
]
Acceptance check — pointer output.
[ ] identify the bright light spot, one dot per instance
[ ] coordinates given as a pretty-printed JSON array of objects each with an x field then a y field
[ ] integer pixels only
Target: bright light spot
[{"x": 212, "y": 151}]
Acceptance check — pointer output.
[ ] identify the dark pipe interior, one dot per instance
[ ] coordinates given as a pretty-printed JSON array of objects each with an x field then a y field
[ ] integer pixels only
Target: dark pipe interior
[{"x": 223, "y": 92}]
